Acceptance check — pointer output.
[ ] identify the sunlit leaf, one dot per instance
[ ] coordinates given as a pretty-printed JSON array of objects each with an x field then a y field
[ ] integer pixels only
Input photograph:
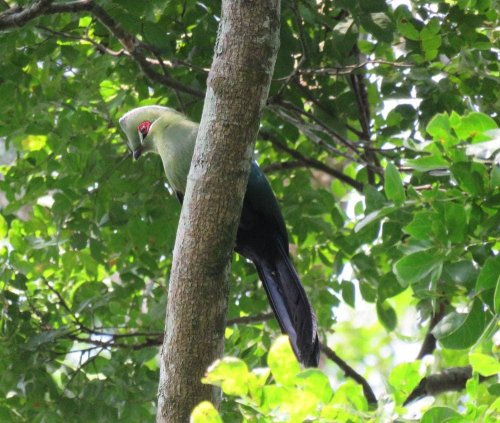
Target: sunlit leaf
[
  {"x": 282, "y": 362},
  {"x": 441, "y": 414},
  {"x": 485, "y": 365},
  {"x": 474, "y": 125},
  {"x": 3, "y": 227},
  {"x": 205, "y": 412},
  {"x": 231, "y": 374},
  {"x": 34, "y": 142},
  {"x": 403, "y": 379}
]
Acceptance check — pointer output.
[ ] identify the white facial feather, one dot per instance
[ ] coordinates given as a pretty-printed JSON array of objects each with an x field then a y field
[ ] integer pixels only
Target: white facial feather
[{"x": 131, "y": 120}]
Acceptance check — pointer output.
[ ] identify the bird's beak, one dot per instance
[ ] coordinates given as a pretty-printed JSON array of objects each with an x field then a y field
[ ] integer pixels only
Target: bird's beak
[{"x": 137, "y": 152}]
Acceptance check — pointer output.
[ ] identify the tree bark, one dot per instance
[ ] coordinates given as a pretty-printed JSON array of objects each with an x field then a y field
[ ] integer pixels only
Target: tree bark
[{"x": 237, "y": 89}]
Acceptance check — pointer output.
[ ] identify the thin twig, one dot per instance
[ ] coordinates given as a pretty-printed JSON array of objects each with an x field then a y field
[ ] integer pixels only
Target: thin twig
[
  {"x": 309, "y": 131},
  {"x": 245, "y": 320},
  {"x": 358, "y": 86},
  {"x": 350, "y": 372},
  {"x": 347, "y": 70},
  {"x": 309, "y": 95},
  {"x": 290, "y": 106},
  {"x": 287, "y": 165}
]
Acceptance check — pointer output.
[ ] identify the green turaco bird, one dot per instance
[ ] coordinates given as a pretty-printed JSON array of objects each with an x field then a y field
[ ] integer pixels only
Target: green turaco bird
[{"x": 261, "y": 236}]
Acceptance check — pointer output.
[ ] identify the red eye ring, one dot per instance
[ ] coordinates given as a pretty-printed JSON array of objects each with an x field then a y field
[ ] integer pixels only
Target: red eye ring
[{"x": 143, "y": 127}]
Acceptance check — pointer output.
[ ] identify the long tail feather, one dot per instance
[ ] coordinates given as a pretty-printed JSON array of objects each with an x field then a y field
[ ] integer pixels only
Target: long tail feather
[{"x": 290, "y": 304}]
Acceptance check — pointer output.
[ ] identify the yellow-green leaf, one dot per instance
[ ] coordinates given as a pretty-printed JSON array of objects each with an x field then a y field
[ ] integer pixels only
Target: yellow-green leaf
[
  {"x": 205, "y": 412},
  {"x": 34, "y": 142},
  {"x": 284, "y": 366},
  {"x": 485, "y": 365},
  {"x": 231, "y": 374},
  {"x": 403, "y": 379},
  {"x": 4, "y": 227}
]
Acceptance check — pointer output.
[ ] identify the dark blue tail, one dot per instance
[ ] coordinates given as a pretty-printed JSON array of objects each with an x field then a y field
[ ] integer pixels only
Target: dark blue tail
[{"x": 290, "y": 304}]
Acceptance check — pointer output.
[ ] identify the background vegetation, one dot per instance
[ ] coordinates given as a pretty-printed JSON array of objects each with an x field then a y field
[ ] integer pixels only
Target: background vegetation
[{"x": 379, "y": 138}]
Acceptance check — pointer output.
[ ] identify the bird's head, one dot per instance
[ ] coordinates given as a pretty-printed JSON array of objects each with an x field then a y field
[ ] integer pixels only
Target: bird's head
[{"x": 138, "y": 123}]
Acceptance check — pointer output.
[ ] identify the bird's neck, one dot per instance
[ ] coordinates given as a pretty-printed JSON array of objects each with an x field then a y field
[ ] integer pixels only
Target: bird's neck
[{"x": 174, "y": 141}]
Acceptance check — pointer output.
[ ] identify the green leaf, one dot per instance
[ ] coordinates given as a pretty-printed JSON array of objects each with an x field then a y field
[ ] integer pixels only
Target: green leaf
[
  {"x": 387, "y": 315},
  {"x": 430, "y": 42},
  {"x": 374, "y": 199},
  {"x": 462, "y": 272},
  {"x": 496, "y": 300},
  {"x": 485, "y": 365},
  {"x": 388, "y": 287},
  {"x": 393, "y": 185},
  {"x": 495, "y": 176},
  {"x": 494, "y": 390},
  {"x": 350, "y": 393},
  {"x": 34, "y": 142},
  {"x": 348, "y": 292},
  {"x": 4, "y": 227},
  {"x": 421, "y": 227},
  {"x": 84, "y": 21},
  {"x": 456, "y": 222},
  {"x": 374, "y": 217},
  {"x": 108, "y": 90},
  {"x": 282, "y": 362},
  {"x": 428, "y": 163},
  {"x": 460, "y": 330},
  {"x": 403, "y": 380},
  {"x": 205, "y": 412},
  {"x": 316, "y": 383},
  {"x": 416, "y": 266},
  {"x": 441, "y": 415},
  {"x": 488, "y": 277},
  {"x": 468, "y": 176},
  {"x": 473, "y": 126},
  {"x": 379, "y": 25},
  {"x": 439, "y": 127},
  {"x": 407, "y": 30},
  {"x": 231, "y": 374}
]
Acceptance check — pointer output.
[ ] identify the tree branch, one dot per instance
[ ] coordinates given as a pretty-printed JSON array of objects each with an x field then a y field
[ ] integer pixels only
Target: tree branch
[
  {"x": 347, "y": 70},
  {"x": 350, "y": 372},
  {"x": 136, "y": 48},
  {"x": 316, "y": 164},
  {"x": 429, "y": 344},
  {"x": 286, "y": 165},
  {"x": 453, "y": 379},
  {"x": 18, "y": 16},
  {"x": 358, "y": 86}
]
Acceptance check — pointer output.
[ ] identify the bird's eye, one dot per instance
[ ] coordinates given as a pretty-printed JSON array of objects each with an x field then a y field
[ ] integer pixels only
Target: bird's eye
[{"x": 143, "y": 128}]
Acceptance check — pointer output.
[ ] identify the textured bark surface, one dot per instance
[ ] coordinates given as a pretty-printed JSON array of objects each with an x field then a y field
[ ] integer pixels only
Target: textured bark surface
[{"x": 237, "y": 89}]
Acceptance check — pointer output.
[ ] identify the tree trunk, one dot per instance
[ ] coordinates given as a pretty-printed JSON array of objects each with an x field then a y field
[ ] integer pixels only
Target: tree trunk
[{"x": 237, "y": 89}]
